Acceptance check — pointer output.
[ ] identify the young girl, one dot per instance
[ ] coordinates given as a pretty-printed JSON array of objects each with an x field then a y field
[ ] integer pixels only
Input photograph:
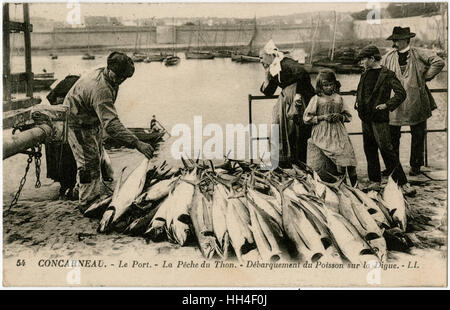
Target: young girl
[{"x": 330, "y": 150}]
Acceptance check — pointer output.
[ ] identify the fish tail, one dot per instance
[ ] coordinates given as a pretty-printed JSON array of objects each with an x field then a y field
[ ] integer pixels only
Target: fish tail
[{"x": 106, "y": 220}]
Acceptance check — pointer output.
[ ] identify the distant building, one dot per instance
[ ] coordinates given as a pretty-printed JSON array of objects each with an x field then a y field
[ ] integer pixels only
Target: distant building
[{"x": 98, "y": 21}]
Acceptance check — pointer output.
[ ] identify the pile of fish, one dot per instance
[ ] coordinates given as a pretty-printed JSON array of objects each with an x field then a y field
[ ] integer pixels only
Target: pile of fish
[{"x": 236, "y": 209}]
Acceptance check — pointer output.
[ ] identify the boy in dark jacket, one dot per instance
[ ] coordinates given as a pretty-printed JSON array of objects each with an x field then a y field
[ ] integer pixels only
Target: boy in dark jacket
[{"x": 373, "y": 103}]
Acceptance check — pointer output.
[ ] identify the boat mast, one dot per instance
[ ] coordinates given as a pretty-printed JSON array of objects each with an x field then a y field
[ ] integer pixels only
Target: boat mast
[
  {"x": 215, "y": 39},
  {"x": 88, "y": 41},
  {"x": 314, "y": 40},
  {"x": 334, "y": 37},
  {"x": 198, "y": 37},
  {"x": 224, "y": 36},
  {"x": 137, "y": 37},
  {"x": 255, "y": 31},
  {"x": 174, "y": 36},
  {"x": 149, "y": 37}
]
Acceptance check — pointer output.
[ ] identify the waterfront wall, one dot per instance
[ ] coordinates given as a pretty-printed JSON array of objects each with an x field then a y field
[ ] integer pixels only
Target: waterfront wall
[{"x": 129, "y": 37}]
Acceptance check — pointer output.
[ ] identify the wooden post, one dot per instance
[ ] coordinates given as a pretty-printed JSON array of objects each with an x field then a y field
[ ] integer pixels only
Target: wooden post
[
  {"x": 250, "y": 123},
  {"x": 6, "y": 55},
  {"x": 27, "y": 37}
]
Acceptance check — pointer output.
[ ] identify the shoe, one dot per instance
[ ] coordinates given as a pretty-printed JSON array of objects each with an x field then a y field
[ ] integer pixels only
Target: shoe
[
  {"x": 414, "y": 171},
  {"x": 373, "y": 186},
  {"x": 408, "y": 190}
]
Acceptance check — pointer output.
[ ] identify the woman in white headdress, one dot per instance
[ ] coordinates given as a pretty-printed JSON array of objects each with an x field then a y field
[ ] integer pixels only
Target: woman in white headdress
[{"x": 296, "y": 92}]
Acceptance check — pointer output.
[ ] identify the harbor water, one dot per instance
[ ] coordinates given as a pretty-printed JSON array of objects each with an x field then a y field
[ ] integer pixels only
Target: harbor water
[{"x": 217, "y": 90}]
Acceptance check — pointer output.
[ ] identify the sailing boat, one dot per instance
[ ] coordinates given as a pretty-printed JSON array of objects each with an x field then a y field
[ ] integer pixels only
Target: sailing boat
[
  {"x": 199, "y": 54},
  {"x": 341, "y": 61},
  {"x": 87, "y": 55},
  {"x": 173, "y": 59},
  {"x": 152, "y": 57},
  {"x": 249, "y": 54},
  {"x": 222, "y": 52},
  {"x": 137, "y": 56}
]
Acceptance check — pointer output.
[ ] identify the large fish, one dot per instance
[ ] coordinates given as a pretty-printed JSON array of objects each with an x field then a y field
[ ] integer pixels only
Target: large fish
[
  {"x": 395, "y": 202},
  {"x": 139, "y": 225},
  {"x": 314, "y": 212},
  {"x": 300, "y": 188},
  {"x": 267, "y": 234},
  {"x": 324, "y": 190},
  {"x": 159, "y": 190},
  {"x": 276, "y": 192},
  {"x": 372, "y": 207},
  {"x": 157, "y": 230},
  {"x": 378, "y": 198},
  {"x": 353, "y": 247},
  {"x": 313, "y": 208},
  {"x": 125, "y": 195},
  {"x": 267, "y": 203},
  {"x": 319, "y": 187},
  {"x": 238, "y": 226},
  {"x": 356, "y": 213},
  {"x": 98, "y": 208},
  {"x": 156, "y": 191},
  {"x": 218, "y": 212},
  {"x": 302, "y": 233},
  {"x": 201, "y": 217},
  {"x": 178, "y": 219}
]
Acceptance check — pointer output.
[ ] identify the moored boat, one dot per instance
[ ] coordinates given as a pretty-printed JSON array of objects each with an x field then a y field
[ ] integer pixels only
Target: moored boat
[
  {"x": 199, "y": 55},
  {"x": 236, "y": 57},
  {"x": 246, "y": 58},
  {"x": 88, "y": 56},
  {"x": 155, "y": 57},
  {"x": 138, "y": 57},
  {"x": 222, "y": 54},
  {"x": 171, "y": 60}
]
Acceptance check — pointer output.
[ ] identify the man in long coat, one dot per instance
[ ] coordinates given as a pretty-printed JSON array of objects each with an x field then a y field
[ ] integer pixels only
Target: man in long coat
[{"x": 413, "y": 67}]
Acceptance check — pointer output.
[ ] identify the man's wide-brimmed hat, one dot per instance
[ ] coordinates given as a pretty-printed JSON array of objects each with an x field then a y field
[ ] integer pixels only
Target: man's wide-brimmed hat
[{"x": 400, "y": 33}]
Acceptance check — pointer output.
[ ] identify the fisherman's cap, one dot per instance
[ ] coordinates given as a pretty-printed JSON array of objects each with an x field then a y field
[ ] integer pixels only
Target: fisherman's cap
[
  {"x": 120, "y": 64},
  {"x": 400, "y": 33},
  {"x": 369, "y": 51}
]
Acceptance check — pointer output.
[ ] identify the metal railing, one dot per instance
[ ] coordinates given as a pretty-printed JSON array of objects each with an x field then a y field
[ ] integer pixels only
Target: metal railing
[{"x": 343, "y": 93}]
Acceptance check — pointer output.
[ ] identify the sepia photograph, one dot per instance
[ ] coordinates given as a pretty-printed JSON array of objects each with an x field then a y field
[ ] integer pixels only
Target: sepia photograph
[{"x": 225, "y": 144}]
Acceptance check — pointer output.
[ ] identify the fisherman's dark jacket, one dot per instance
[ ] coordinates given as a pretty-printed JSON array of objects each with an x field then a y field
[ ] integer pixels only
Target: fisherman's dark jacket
[
  {"x": 91, "y": 103},
  {"x": 291, "y": 72},
  {"x": 381, "y": 93}
]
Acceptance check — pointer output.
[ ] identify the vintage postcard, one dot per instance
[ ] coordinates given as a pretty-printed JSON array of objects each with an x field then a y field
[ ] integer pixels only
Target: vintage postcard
[{"x": 225, "y": 144}]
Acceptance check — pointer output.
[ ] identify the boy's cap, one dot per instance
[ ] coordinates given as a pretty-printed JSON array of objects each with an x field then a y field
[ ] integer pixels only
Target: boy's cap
[{"x": 368, "y": 51}]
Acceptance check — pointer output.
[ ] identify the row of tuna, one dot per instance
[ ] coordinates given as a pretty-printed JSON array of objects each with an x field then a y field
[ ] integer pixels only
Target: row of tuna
[{"x": 236, "y": 209}]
